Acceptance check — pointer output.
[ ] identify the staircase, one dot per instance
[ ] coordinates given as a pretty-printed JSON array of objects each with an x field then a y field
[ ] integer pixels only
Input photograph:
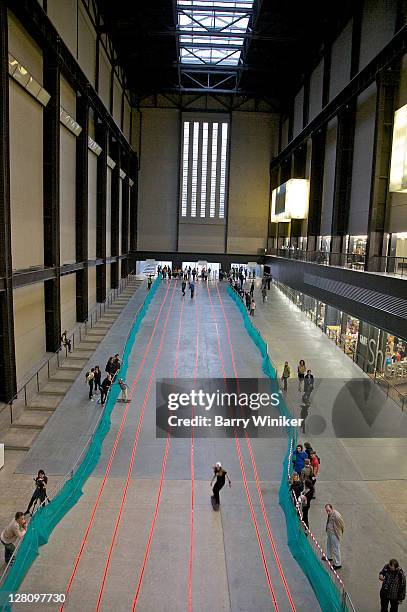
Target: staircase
[{"x": 23, "y": 431}]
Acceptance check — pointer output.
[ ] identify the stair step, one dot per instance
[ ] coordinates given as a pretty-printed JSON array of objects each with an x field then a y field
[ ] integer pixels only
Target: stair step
[
  {"x": 45, "y": 401},
  {"x": 72, "y": 368},
  {"x": 53, "y": 393},
  {"x": 34, "y": 418},
  {"x": 41, "y": 408},
  {"x": 65, "y": 375},
  {"x": 18, "y": 438}
]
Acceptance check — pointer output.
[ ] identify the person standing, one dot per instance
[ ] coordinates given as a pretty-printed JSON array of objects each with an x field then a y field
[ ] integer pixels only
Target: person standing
[
  {"x": 12, "y": 534},
  {"x": 183, "y": 286},
  {"x": 307, "y": 473},
  {"x": 40, "y": 492},
  {"x": 149, "y": 282},
  {"x": 393, "y": 589},
  {"x": 252, "y": 289},
  {"x": 124, "y": 388},
  {"x": 315, "y": 467},
  {"x": 306, "y": 497},
  {"x": 192, "y": 288},
  {"x": 308, "y": 385},
  {"x": 109, "y": 366},
  {"x": 335, "y": 527},
  {"x": 97, "y": 379},
  {"x": 220, "y": 475},
  {"x": 298, "y": 459},
  {"x": 116, "y": 365},
  {"x": 252, "y": 308},
  {"x": 89, "y": 379},
  {"x": 301, "y": 369},
  {"x": 106, "y": 384},
  {"x": 286, "y": 375}
]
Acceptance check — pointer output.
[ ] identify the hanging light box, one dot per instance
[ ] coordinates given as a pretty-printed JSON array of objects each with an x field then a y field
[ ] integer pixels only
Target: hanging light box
[
  {"x": 290, "y": 201},
  {"x": 398, "y": 167}
]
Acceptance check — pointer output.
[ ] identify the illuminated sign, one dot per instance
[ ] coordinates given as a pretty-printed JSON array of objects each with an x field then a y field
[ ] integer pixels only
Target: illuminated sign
[
  {"x": 290, "y": 201},
  {"x": 398, "y": 168}
]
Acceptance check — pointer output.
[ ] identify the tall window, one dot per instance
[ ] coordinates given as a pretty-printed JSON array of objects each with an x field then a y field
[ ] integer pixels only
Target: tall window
[{"x": 204, "y": 169}]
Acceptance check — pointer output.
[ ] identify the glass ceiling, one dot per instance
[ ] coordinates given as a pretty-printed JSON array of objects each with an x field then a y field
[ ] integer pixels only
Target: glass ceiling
[{"x": 212, "y": 33}]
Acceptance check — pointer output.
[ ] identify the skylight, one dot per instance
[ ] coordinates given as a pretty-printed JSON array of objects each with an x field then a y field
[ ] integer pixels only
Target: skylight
[{"x": 212, "y": 33}]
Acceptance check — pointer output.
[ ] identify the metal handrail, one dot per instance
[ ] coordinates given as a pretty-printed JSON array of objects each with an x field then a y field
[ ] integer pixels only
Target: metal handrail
[
  {"x": 69, "y": 475},
  {"x": 112, "y": 296}
]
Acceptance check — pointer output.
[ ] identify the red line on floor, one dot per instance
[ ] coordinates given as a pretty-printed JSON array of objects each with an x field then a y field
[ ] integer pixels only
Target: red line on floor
[
  {"x": 256, "y": 476},
  {"x": 114, "y": 449},
  {"x": 249, "y": 499},
  {"x": 192, "y": 462},
  {"x": 133, "y": 454}
]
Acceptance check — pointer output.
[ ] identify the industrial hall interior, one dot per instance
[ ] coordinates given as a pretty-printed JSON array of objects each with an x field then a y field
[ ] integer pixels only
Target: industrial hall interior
[{"x": 203, "y": 305}]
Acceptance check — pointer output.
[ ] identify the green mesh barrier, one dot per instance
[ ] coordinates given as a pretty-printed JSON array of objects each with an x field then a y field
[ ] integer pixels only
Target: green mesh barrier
[
  {"x": 47, "y": 517},
  {"x": 301, "y": 548}
]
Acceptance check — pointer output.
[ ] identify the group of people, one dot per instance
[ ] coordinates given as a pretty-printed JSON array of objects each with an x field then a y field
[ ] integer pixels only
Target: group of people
[
  {"x": 304, "y": 376},
  {"x": 94, "y": 380}
]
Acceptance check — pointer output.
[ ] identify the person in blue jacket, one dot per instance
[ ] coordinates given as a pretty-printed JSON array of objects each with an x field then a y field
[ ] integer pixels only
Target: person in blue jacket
[{"x": 299, "y": 457}]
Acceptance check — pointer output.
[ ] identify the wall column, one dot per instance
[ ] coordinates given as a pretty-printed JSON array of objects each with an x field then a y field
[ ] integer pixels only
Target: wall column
[
  {"x": 125, "y": 220},
  {"x": 8, "y": 380},
  {"x": 81, "y": 215},
  {"x": 387, "y": 88},
  {"x": 51, "y": 152},
  {"x": 343, "y": 179},
  {"x": 316, "y": 186},
  {"x": 115, "y": 199},
  {"x": 101, "y": 135}
]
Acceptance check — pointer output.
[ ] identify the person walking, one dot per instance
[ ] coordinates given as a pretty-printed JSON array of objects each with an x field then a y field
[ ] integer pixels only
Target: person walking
[
  {"x": 308, "y": 385},
  {"x": 12, "y": 534},
  {"x": 393, "y": 589},
  {"x": 89, "y": 380},
  {"x": 252, "y": 308},
  {"x": 183, "y": 286},
  {"x": 252, "y": 289},
  {"x": 264, "y": 294},
  {"x": 40, "y": 492},
  {"x": 298, "y": 459},
  {"x": 306, "y": 497},
  {"x": 66, "y": 341},
  {"x": 106, "y": 384},
  {"x": 220, "y": 475},
  {"x": 192, "y": 288},
  {"x": 301, "y": 370},
  {"x": 335, "y": 527},
  {"x": 124, "y": 388},
  {"x": 286, "y": 375},
  {"x": 149, "y": 282},
  {"x": 97, "y": 379}
]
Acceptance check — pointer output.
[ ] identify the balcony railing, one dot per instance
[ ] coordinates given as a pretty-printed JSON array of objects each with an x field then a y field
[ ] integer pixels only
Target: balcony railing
[{"x": 354, "y": 261}]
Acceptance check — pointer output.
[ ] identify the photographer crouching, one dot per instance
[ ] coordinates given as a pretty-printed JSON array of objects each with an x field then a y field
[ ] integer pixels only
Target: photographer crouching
[{"x": 40, "y": 492}]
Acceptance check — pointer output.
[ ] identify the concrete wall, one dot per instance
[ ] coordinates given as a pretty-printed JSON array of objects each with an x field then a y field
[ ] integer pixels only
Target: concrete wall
[
  {"x": 29, "y": 327},
  {"x": 26, "y": 183},
  {"x": 315, "y": 91},
  {"x": 362, "y": 162},
  {"x": 253, "y": 136},
  {"x": 340, "y": 61},
  {"x": 378, "y": 27},
  {"x": 91, "y": 287},
  {"x": 68, "y": 302},
  {"x": 92, "y": 188},
  {"x": 158, "y": 180},
  {"x": 298, "y": 112},
  {"x": 108, "y": 213},
  {"x": 67, "y": 195}
]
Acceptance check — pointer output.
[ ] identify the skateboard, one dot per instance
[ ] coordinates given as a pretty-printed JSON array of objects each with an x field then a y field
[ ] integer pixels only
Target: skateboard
[{"x": 215, "y": 506}]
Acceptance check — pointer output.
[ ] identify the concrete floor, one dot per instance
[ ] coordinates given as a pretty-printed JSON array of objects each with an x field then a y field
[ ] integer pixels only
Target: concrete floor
[
  {"x": 364, "y": 477},
  {"x": 227, "y": 568}
]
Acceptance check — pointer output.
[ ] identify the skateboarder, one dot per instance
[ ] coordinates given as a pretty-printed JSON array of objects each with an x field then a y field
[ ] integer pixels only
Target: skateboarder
[{"x": 220, "y": 474}]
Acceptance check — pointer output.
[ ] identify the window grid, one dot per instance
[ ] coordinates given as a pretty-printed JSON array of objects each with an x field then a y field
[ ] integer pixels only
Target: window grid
[
  {"x": 223, "y": 156},
  {"x": 185, "y": 161},
  {"x": 204, "y": 168},
  {"x": 213, "y": 170},
  {"x": 195, "y": 144}
]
